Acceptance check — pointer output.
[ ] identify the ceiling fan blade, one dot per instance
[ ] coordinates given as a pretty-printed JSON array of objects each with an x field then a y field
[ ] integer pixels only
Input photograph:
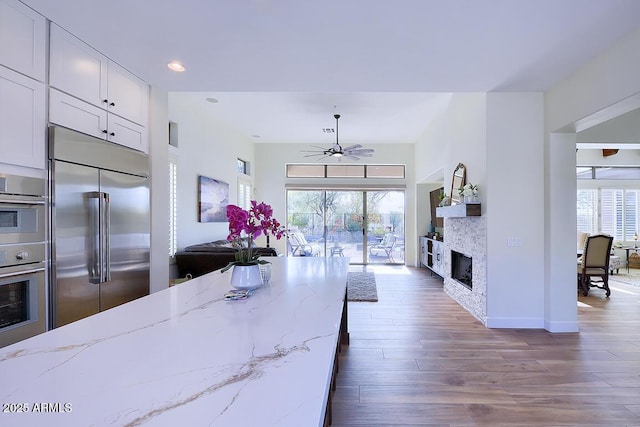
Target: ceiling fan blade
[
  {"x": 314, "y": 155},
  {"x": 352, "y": 157},
  {"x": 359, "y": 152},
  {"x": 319, "y": 148},
  {"x": 352, "y": 147}
]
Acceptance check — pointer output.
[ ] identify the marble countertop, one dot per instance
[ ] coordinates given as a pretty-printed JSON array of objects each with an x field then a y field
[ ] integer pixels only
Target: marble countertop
[{"x": 185, "y": 356}]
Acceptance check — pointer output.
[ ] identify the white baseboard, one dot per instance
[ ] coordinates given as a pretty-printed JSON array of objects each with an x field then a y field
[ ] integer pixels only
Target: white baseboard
[{"x": 515, "y": 323}]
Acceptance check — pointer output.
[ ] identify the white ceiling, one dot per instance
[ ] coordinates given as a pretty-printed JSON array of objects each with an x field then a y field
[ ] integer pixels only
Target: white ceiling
[{"x": 282, "y": 68}]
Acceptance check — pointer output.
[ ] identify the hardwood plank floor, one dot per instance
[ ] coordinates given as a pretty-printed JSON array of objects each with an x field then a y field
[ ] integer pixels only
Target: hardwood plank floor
[{"x": 417, "y": 358}]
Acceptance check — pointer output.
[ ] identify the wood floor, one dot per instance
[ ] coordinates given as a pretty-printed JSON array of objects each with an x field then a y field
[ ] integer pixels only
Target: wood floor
[{"x": 417, "y": 358}]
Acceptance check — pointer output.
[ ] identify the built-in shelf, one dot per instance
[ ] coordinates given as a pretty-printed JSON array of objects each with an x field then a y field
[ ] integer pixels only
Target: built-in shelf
[{"x": 459, "y": 211}]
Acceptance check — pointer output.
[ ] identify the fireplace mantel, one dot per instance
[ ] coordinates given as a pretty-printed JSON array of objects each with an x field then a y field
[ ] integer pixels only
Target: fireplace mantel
[{"x": 459, "y": 211}]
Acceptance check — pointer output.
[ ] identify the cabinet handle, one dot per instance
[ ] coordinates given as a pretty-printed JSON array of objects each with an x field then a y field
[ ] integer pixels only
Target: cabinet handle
[
  {"x": 112, "y": 134},
  {"x": 106, "y": 101},
  {"x": 104, "y": 131},
  {"x": 113, "y": 104}
]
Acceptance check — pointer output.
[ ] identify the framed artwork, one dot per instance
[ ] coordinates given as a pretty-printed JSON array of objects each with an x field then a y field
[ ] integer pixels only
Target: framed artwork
[{"x": 213, "y": 200}]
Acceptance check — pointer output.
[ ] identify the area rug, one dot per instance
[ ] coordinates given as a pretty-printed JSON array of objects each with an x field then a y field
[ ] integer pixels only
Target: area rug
[
  {"x": 631, "y": 278},
  {"x": 361, "y": 286}
]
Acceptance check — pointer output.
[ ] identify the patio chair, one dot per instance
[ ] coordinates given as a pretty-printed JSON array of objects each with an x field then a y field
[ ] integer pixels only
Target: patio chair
[
  {"x": 386, "y": 247},
  {"x": 299, "y": 245},
  {"x": 595, "y": 263}
]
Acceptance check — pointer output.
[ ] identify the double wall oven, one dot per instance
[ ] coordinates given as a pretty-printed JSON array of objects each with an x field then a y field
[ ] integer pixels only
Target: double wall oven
[{"x": 22, "y": 258}]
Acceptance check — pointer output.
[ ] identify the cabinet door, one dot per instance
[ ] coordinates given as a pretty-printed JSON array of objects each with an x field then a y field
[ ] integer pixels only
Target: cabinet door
[
  {"x": 423, "y": 251},
  {"x": 22, "y": 39},
  {"x": 72, "y": 113},
  {"x": 76, "y": 68},
  {"x": 127, "y": 133},
  {"x": 22, "y": 120},
  {"x": 438, "y": 249},
  {"x": 128, "y": 95}
]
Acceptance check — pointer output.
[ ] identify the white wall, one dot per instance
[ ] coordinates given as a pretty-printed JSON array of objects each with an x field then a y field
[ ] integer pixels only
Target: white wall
[
  {"x": 560, "y": 234},
  {"x": 457, "y": 136},
  {"x": 158, "y": 156},
  {"x": 270, "y": 179},
  {"x": 209, "y": 148},
  {"x": 513, "y": 206}
]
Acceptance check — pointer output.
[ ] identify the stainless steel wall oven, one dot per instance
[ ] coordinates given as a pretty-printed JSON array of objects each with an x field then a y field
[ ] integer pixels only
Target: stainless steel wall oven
[{"x": 22, "y": 258}]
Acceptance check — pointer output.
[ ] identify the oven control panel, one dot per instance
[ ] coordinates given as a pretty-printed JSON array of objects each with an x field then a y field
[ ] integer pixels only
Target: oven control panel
[{"x": 21, "y": 254}]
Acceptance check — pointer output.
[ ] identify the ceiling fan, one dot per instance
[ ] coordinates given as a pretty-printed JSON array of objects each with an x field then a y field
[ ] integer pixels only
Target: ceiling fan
[{"x": 353, "y": 152}]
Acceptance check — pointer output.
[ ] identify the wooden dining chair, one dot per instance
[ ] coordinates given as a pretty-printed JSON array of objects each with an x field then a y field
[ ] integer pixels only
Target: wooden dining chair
[{"x": 595, "y": 264}]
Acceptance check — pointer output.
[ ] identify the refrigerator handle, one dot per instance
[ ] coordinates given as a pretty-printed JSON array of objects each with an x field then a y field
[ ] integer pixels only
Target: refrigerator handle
[
  {"x": 105, "y": 238},
  {"x": 94, "y": 240}
]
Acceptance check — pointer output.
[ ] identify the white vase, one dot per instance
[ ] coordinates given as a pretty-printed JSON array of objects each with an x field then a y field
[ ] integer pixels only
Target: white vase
[{"x": 246, "y": 277}]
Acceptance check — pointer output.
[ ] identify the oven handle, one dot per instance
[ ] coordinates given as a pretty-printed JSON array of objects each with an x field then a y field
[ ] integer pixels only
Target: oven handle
[
  {"x": 22, "y": 272},
  {"x": 18, "y": 200}
]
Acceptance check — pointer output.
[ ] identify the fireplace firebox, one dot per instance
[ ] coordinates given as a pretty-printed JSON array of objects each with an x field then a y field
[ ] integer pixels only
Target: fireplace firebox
[{"x": 461, "y": 269}]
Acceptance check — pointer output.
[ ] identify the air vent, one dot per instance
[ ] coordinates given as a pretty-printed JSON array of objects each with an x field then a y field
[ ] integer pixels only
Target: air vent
[{"x": 328, "y": 130}]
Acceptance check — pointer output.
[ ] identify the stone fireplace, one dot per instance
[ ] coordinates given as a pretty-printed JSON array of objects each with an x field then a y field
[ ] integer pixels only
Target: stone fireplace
[{"x": 467, "y": 237}]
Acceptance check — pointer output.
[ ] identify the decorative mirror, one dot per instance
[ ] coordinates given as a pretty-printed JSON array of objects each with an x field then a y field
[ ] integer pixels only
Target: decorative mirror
[{"x": 459, "y": 180}]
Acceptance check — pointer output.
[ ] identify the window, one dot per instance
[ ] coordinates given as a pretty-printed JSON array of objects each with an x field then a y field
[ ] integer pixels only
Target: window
[
  {"x": 243, "y": 167},
  {"x": 345, "y": 171},
  {"x": 609, "y": 172},
  {"x": 244, "y": 193},
  {"x": 385, "y": 171},
  {"x": 305, "y": 171},
  {"x": 173, "y": 205}
]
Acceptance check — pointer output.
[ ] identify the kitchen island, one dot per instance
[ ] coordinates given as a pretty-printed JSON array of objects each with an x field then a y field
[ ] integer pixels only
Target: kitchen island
[{"x": 186, "y": 356}]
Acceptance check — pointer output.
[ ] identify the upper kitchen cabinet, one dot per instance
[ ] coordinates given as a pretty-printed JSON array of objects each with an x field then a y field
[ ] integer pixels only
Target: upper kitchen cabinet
[
  {"x": 22, "y": 120},
  {"x": 81, "y": 71},
  {"x": 73, "y": 113},
  {"x": 22, "y": 39},
  {"x": 128, "y": 96}
]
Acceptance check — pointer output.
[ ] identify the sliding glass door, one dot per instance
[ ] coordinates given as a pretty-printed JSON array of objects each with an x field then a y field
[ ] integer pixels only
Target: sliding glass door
[{"x": 366, "y": 226}]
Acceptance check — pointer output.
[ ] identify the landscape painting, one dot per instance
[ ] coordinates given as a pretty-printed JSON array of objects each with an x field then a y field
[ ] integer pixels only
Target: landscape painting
[{"x": 213, "y": 201}]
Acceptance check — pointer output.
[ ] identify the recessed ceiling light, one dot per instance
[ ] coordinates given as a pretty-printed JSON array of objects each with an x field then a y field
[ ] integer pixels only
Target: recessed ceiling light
[
  {"x": 213, "y": 100},
  {"x": 176, "y": 66},
  {"x": 255, "y": 136}
]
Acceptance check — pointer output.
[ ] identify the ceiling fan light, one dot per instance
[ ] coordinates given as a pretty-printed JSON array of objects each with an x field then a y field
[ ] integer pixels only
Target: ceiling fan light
[{"x": 337, "y": 154}]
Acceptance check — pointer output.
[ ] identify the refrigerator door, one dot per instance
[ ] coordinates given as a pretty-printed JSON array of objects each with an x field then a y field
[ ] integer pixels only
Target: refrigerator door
[
  {"x": 75, "y": 260},
  {"x": 126, "y": 238}
]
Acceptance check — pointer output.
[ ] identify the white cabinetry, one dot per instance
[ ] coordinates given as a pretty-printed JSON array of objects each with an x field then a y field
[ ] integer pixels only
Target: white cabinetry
[
  {"x": 438, "y": 258},
  {"x": 432, "y": 255},
  {"x": 109, "y": 103},
  {"x": 22, "y": 120},
  {"x": 70, "y": 112},
  {"x": 22, "y": 39}
]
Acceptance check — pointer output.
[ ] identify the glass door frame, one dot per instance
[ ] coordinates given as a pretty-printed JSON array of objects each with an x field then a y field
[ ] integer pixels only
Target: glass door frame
[{"x": 324, "y": 249}]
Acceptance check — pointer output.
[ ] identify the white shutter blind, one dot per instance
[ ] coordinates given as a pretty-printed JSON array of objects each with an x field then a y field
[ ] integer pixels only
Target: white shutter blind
[
  {"x": 173, "y": 206},
  {"x": 587, "y": 211},
  {"x": 630, "y": 213},
  {"x": 244, "y": 194}
]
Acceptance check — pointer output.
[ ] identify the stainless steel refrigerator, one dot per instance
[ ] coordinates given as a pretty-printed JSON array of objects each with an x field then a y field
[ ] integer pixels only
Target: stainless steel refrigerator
[{"x": 99, "y": 225}]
